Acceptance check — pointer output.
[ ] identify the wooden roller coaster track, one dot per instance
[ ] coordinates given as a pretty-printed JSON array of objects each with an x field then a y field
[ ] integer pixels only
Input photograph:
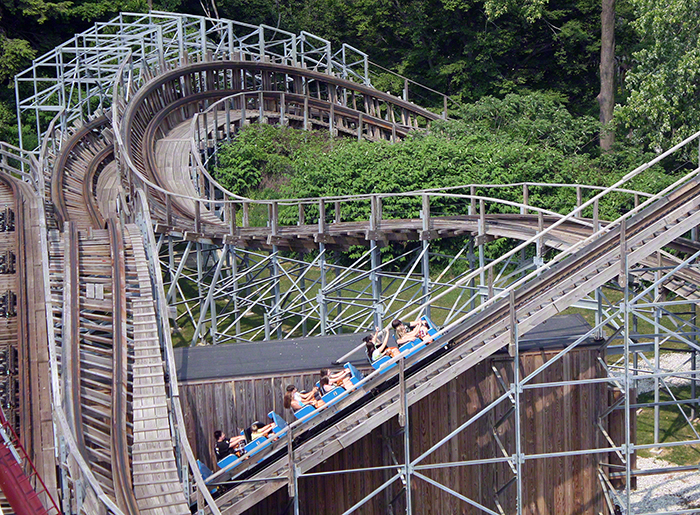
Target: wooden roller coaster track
[{"x": 114, "y": 390}]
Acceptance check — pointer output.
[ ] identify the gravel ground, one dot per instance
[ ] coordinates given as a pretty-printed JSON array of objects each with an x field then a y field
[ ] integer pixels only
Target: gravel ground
[
  {"x": 670, "y": 362},
  {"x": 665, "y": 492}
]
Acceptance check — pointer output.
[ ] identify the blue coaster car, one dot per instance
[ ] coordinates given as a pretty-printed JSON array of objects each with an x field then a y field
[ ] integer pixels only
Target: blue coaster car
[
  {"x": 206, "y": 472},
  {"x": 412, "y": 346},
  {"x": 227, "y": 461},
  {"x": 306, "y": 410},
  {"x": 249, "y": 450},
  {"x": 257, "y": 445},
  {"x": 327, "y": 398},
  {"x": 381, "y": 363},
  {"x": 280, "y": 427},
  {"x": 355, "y": 375},
  {"x": 333, "y": 396}
]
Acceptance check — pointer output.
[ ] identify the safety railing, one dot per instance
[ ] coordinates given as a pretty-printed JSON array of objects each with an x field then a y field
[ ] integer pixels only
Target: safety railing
[{"x": 449, "y": 331}]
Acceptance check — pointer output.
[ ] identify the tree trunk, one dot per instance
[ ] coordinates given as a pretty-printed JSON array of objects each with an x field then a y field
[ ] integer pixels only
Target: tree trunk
[{"x": 606, "y": 97}]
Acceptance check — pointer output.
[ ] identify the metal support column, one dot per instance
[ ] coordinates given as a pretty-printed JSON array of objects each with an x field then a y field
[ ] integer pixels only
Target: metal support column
[
  {"x": 302, "y": 285},
  {"x": 472, "y": 282},
  {"x": 425, "y": 266},
  {"x": 293, "y": 485},
  {"x": 321, "y": 298},
  {"x": 693, "y": 363},
  {"x": 517, "y": 386},
  {"x": 404, "y": 421},
  {"x": 375, "y": 279},
  {"x": 425, "y": 263},
  {"x": 624, "y": 277},
  {"x": 480, "y": 242},
  {"x": 657, "y": 356},
  {"x": 276, "y": 278}
]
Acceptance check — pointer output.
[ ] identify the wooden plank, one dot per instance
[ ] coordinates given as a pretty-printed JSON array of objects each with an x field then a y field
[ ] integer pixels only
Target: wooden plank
[{"x": 163, "y": 494}]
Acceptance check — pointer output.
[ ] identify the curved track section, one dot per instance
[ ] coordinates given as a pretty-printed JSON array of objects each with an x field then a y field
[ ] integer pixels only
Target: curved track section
[
  {"x": 76, "y": 171},
  {"x": 578, "y": 272},
  {"x": 111, "y": 366},
  {"x": 526, "y": 304},
  {"x": 93, "y": 352},
  {"x": 287, "y": 95},
  {"x": 146, "y": 119},
  {"x": 156, "y": 481}
]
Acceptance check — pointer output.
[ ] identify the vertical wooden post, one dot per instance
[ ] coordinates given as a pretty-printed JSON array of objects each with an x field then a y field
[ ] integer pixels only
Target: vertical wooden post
[
  {"x": 168, "y": 211},
  {"x": 472, "y": 203},
  {"x": 539, "y": 244},
  {"x": 261, "y": 107},
  {"x": 482, "y": 217},
  {"x": 321, "y": 216},
  {"x": 197, "y": 217},
  {"x": 513, "y": 325},
  {"x": 232, "y": 218},
  {"x": 292, "y": 485},
  {"x": 337, "y": 212},
  {"x": 425, "y": 213},
  {"x": 283, "y": 120},
  {"x": 376, "y": 213},
  {"x": 274, "y": 218},
  {"x": 596, "y": 222},
  {"x": 246, "y": 214},
  {"x": 579, "y": 200},
  {"x": 622, "y": 280}
]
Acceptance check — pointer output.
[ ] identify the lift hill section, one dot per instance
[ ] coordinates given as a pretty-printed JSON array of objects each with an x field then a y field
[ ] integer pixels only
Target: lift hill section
[{"x": 481, "y": 335}]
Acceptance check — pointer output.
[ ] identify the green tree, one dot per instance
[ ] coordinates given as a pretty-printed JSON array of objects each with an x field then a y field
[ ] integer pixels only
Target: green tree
[
  {"x": 465, "y": 48},
  {"x": 664, "y": 90}
]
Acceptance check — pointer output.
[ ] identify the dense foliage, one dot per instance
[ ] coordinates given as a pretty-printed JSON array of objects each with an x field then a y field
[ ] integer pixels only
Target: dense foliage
[
  {"x": 470, "y": 49},
  {"x": 664, "y": 90},
  {"x": 521, "y": 138},
  {"x": 466, "y": 48}
]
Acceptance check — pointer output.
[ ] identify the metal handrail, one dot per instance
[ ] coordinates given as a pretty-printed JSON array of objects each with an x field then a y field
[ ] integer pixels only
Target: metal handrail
[{"x": 506, "y": 291}]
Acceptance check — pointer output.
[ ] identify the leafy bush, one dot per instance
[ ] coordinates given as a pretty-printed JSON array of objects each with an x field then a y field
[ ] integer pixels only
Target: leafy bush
[{"x": 521, "y": 138}]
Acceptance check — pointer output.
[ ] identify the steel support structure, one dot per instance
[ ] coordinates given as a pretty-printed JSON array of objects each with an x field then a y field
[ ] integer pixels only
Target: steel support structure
[{"x": 621, "y": 348}]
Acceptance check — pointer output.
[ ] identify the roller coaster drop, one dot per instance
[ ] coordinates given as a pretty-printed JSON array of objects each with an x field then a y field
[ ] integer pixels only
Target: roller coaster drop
[{"x": 134, "y": 237}]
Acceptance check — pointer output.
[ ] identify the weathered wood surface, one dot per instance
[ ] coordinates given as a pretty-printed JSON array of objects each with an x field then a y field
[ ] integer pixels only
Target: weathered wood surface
[
  {"x": 233, "y": 405},
  {"x": 37, "y": 422},
  {"x": 553, "y": 419},
  {"x": 82, "y": 293},
  {"x": 71, "y": 181},
  {"x": 108, "y": 188},
  {"x": 155, "y": 475}
]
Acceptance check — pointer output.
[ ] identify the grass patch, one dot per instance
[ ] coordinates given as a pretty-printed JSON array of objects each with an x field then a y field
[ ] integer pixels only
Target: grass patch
[{"x": 672, "y": 428}]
